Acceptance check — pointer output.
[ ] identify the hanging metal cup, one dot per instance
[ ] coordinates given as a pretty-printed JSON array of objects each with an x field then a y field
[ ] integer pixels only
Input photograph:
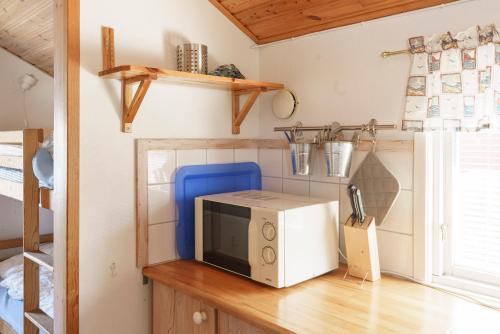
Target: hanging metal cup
[
  {"x": 338, "y": 156},
  {"x": 301, "y": 157}
]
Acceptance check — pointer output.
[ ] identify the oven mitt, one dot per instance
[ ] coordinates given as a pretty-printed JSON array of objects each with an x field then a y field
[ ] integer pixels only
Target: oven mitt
[{"x": 378, "y": 186}]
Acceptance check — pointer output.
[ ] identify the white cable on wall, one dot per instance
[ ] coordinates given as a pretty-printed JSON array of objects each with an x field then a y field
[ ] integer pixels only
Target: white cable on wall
[
  {"x": 25, "y": 112},
  {"x": 26, "y": 82}
]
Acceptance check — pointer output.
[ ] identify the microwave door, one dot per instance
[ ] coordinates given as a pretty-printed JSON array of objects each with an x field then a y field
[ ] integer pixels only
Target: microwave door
[{"x": 225, "y": 236}]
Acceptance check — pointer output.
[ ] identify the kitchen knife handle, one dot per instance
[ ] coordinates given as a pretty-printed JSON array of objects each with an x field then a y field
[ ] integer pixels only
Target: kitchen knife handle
[
  {"x": 353, "y": 204},
  {"x": 353, "y": 189},
  {"x": 360, "y": 206}
]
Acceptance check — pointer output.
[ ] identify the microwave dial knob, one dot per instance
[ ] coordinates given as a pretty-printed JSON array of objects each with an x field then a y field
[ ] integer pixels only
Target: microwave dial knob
[
  {"x": 268, "y": 231},
  {"x": 269, "y": 255}
]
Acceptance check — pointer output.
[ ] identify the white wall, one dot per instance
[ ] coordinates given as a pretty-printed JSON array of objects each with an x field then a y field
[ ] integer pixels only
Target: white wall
[
  {"x": 38, "y": 101},
  {"x": 112, "y": 297},
  {"x": 11, "y": 222},
  {"x": 339, "y": 75}
]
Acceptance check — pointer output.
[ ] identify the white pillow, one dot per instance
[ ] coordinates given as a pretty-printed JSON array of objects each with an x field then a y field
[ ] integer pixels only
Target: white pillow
[
  {"x": 17, "y": 260},
  {"x": 10, "y": 263}
]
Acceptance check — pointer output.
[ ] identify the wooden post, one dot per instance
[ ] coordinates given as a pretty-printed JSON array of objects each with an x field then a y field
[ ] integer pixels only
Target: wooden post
[
  {"x": 235, "y": 111},
  {"x": 108, "y": 48},
  {"x": 31, "y": 226}
]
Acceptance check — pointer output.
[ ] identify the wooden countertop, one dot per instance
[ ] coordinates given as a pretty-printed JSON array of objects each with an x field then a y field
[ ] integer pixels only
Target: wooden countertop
[{"x": 329, "y": 304}]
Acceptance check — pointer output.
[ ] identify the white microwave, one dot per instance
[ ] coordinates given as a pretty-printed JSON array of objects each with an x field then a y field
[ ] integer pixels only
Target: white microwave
[{"x": 276, "y": 239}]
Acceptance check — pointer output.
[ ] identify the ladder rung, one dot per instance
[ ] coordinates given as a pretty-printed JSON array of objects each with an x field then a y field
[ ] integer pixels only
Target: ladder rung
[
  {"x": 41, "y": 258},
  {"x": 41, "y": 320}
]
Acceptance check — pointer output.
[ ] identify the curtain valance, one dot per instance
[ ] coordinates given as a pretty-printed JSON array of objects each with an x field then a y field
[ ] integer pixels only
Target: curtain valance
[{"x": 454, "y": 81}]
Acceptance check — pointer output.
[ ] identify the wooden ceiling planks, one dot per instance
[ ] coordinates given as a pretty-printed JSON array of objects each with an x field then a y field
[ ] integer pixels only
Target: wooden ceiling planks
[
  {"x": 266, "y": 21},
  {"x": 27, "y": 31}
]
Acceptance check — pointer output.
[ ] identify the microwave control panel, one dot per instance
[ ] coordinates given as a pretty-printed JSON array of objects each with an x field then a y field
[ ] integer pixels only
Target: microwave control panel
[{"x": 266, "y": 268}]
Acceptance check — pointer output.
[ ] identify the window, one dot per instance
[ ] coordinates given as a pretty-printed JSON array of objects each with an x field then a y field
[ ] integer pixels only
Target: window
[{"x": 469, "y": 225}]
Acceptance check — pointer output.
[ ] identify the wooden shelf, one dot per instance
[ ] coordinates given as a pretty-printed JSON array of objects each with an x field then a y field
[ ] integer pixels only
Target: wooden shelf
[
  {"x": 125, "y": 72},
  {"x": 130, "y": 74},
  {"x": 41, "y": 259},
  {"x": 41, "y": 320}
]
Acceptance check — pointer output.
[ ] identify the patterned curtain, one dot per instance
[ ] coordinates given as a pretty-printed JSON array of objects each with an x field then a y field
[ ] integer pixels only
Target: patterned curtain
[{"x": 454, "y": 81}]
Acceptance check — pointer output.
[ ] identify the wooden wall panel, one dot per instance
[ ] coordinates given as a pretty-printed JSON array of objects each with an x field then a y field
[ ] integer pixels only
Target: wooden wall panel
[
  {"x": 27, "y": 31},
  {"x": 267, "y": 21}
]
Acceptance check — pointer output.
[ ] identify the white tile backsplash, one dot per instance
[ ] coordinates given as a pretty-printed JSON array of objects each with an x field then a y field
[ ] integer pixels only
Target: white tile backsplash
[
  {"x": 161, "y": 203},
  {"x": 400, "y": 164},
  {"x": 191, "y": 157},
  {"x": 271, "y": 162},
  {"x": 246, "y": 155},
  {"x": 274, "y": 184},
  {"x": 394, "y": 235},
  {"x": 161, "y": 166},
  {"x": 345, "y": 204},
  {"x": 395, "y": 252},
  {"x": 161, "y": 243},
  {"x": 324, "y": 190},
  {"x": 296, "y": 187},
  {"x": 220, "y": 156},
  {"x": 400, "y": 217}
]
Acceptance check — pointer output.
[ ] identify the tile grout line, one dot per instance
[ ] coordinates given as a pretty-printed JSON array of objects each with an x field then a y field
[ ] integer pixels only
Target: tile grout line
[
  {"x": 165, "y": 222},
  {"x": 395, "y": 232}
]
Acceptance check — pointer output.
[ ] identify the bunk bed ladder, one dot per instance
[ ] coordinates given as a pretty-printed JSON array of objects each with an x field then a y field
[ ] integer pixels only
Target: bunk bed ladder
[{"x": 35, "y": 320}]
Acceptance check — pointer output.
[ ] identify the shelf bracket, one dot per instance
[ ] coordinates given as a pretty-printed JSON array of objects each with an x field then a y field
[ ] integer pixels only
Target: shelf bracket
[
  {"x": 239, "y": 115},
  {"x": 131, "y": 104},
  {"x": 130, "y": 75}
]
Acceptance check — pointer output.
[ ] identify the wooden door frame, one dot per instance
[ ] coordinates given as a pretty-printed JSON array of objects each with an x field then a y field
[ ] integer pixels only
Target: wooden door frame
[{"x": 66, "y": 167}]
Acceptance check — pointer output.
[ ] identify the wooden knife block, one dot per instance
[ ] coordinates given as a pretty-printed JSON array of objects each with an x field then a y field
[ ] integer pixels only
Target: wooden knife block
[{"x": 361, "y": 248}]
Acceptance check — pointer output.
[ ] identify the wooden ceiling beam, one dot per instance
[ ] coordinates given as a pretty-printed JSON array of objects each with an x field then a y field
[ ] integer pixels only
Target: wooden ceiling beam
[
  {"x": 271, "y": 10},
  {"x": 270, "y": 21},
  {"x": 27, "y": 31},
  {"x": 237, "y": 6},
  {"x": 231, "y": 18}
]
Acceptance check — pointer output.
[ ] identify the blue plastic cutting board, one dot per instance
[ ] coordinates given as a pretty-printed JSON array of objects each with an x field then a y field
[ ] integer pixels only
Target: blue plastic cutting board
[{"x": 194, "y": 181}]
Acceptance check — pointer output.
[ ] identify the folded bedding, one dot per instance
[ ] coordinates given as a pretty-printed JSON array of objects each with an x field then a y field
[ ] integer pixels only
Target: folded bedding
[
  {"x": 11, "y": 150},
  {"x": 11, "y": 311},
  {"x": 43, "y": 163},
  {"x": 11, "y": 289},
  {"x": 11, "y": 174}
]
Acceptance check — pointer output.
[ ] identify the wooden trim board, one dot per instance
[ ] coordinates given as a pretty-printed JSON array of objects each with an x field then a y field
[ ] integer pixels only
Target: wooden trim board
[
  {"x": 31, "y": 226},
  {"x": 15, "y": 243},
  {"x": 141, "y": 160},
  {"x": 195, "y": 143},
  {"x": 66, "y": 165}
]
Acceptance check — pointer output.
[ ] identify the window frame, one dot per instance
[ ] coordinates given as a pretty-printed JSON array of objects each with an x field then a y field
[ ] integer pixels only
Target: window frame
[{"x": 444, "y": 157}]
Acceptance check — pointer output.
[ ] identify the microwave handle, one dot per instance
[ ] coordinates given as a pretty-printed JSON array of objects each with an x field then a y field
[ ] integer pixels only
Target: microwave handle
[{"x": 252, "y": 243}]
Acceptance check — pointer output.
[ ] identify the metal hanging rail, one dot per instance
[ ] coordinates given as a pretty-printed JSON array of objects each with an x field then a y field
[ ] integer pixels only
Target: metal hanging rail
[{"x": 372, "y": 127}]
